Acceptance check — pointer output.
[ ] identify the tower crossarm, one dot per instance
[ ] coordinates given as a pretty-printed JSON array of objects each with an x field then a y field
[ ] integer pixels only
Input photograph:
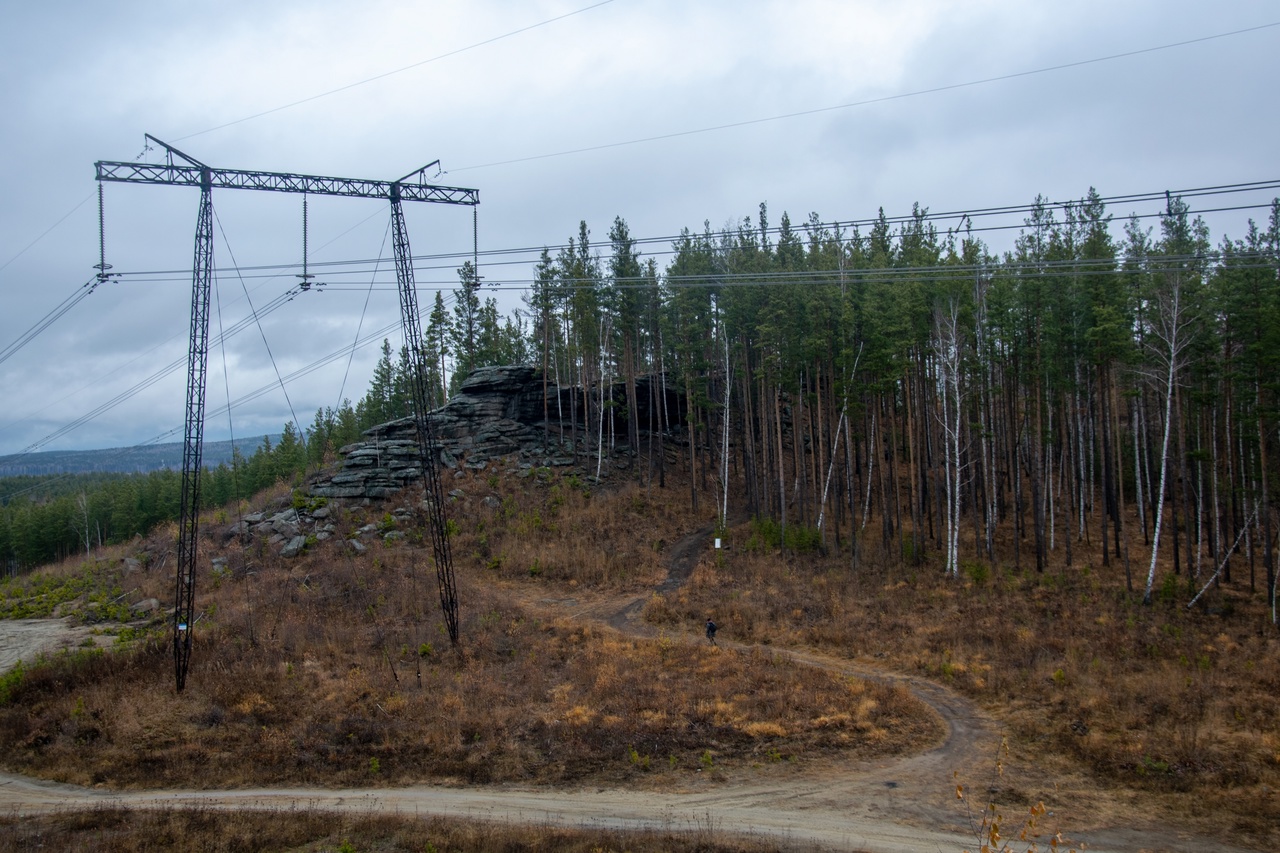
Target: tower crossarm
[{"x": 182, "y": 175}]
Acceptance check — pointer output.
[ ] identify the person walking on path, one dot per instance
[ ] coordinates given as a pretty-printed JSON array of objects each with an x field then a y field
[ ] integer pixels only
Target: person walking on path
[{"x": 711, "y": 631}]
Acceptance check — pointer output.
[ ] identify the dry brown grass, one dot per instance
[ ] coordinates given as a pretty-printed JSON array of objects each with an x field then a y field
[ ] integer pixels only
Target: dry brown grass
[
  {"x": 1178, "y": 703},
  {"x": 551, "y": 526},
  {"x": 116, "y": 830},
  {"x": 332, "y": 669}
]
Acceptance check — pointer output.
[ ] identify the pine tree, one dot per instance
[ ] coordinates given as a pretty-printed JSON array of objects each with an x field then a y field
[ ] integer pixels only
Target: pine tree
[
  {"x": 466, "y": 331},
  {"x": 439, "y": 335}
]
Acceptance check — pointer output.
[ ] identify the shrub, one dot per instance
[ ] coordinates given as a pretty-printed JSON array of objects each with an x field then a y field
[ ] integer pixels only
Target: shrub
[{"x": 768, "y": 533}]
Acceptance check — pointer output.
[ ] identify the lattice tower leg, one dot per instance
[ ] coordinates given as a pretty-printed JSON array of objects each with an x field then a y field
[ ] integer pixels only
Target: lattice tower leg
[
  {"x": 193, "y": 440},
  {"x": 427, "y": 448}
]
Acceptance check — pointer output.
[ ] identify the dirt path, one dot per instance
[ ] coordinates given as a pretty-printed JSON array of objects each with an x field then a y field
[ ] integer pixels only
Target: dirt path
[{"x": 894, "y": 805}]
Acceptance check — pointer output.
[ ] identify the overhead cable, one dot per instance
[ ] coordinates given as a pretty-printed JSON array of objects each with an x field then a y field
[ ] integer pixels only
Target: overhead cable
[
  {"x": 393, "y": 72},
  {"x": 867, "y": 102}
]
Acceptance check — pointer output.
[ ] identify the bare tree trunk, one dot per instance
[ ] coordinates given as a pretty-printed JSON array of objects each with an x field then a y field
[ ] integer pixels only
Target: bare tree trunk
[
  {"x": 948, "y": 346},
  {"x": 1120, "y": 526},
  {"x": 1164, "y": 465},
  {"x": 1103, "y": 403},
  {"x": 1233, "y": 505},
  {"x": 693, "y": 441},
  {"x": 1268, "y": 557},
  {"x": 724, "y": 449},
  {"x": 1139, "y": 501},
  {"x": 1183, "y": 474},
  {"x": 873, "y": 442},
  {"x": 1215, "y": 529},
  {"x": 1170, "y": 331},
  {"x": 782, "y": 478}
]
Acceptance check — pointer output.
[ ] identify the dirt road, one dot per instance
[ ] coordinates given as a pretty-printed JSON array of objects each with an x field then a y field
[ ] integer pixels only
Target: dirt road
[
  {"x": 24, "y": 639},
  {"x": 887, "y": 806}
]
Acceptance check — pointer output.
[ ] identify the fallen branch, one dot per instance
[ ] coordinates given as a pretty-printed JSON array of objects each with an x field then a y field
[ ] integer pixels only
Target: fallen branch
[{"x": 1223, "y": 564}]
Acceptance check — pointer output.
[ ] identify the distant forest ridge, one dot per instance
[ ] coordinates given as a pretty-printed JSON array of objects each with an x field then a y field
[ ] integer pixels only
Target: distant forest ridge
[{"x": 141, "y": 459}]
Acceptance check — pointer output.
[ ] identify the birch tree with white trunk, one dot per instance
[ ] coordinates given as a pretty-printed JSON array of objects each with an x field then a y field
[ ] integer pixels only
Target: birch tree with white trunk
[
  {"x": 948, "y": 345},
  {"x": 1170, "y": 334}
]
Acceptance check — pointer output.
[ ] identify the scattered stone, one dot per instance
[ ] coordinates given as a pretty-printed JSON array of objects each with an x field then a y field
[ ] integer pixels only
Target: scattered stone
[
  {"x": 491, "y": 502},
  {"x": 145, "y": 606},
  {"x": 295, "y": 547},
  {"x": 393, "y": 536},
  {"x": 356, "y": 545}
]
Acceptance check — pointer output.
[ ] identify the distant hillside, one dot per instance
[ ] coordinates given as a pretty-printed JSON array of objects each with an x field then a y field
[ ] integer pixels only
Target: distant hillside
[{"x": 121, "y": 460}]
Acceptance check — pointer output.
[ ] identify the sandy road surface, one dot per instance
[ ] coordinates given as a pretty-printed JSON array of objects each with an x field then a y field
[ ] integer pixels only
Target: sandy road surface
[
  {"x": 892, "y": 805},
  {"x": 24, "y": 639}
]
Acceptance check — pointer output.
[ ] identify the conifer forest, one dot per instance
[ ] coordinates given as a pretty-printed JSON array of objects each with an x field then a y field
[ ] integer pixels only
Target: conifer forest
[{"x": 1105, "y": 394}]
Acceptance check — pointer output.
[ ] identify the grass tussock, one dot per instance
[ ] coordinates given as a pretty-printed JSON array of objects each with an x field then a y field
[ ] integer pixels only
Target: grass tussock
[
  {"x": 334, "y": 669},
  {"x": 116, "y": 830},
  {"x": 1161, "y": 698}
]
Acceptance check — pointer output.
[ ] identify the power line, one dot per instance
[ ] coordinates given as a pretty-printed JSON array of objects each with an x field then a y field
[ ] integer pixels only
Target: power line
[
  {"x": 386, "y": 74},
  {"x": 49, "y": 319},
  {"x": 164, "y": 371},
  {"x": 1051, "y": 268},
  {"x": 144, "y": 384},
  {"x": 868, "y": 102},
  {"x": 46, "y": 232},
  {"x": 964, "y": 216},
  {"x": 244, "y": 323},
  {"x": 363, "y": 312},
  {"x": 1153, "y": 265},
  {"x": 258, "y": 322},
  {"x": 925, "y": 215},
  {"x": 725, "y": 279},
  {"x": 360, "y": 266},
  {"x": 89, "y": 287},
  {"x": 311, "y": 98}
]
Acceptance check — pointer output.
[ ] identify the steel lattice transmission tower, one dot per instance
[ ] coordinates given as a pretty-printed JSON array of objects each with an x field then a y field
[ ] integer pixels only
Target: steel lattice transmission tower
[{"x": 186, "y": 171}]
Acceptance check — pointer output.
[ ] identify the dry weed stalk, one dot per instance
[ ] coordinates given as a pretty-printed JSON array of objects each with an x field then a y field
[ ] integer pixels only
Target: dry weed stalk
[{"x": 992, "y": 830}]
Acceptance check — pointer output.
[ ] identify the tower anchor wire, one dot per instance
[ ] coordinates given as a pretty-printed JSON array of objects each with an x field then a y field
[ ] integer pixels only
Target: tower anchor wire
[{"x": 179, "y": 169}]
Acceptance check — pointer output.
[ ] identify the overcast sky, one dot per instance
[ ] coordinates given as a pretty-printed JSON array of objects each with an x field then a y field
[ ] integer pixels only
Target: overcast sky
[{"x": 378, "y": 89}]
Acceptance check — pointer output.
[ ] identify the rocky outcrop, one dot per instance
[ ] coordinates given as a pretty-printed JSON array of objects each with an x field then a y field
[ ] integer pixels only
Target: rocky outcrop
[{"x": 497, "y": 413}]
